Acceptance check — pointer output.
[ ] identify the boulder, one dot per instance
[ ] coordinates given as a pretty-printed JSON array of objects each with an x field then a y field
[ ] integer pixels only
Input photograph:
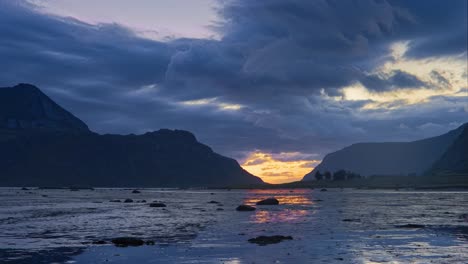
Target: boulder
[
  {"x": 410, "y": 226},
  {"x": 157, "y": 205},
  {"x": 268, "y": 201},
  {"x": 245, "y": 208},
  {"x": 128, "y": 201},
  {"x": 266, "y": 240},
  {"x": 136, "y": 191},
  {"x": 127, "y": 241},
  {"x": 115, "y": 201},
  {"x": 323, "y": 190}
]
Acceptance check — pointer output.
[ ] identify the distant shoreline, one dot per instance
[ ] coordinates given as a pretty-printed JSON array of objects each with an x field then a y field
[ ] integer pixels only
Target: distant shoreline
[{"x": 442, "y": 182}]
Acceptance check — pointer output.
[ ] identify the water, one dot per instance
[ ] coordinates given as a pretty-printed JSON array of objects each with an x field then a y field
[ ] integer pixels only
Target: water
[{"x": 44, "y": 226}]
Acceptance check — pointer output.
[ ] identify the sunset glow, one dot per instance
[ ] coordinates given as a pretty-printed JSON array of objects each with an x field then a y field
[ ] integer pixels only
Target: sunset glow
[{"x": 278, "y": 168}]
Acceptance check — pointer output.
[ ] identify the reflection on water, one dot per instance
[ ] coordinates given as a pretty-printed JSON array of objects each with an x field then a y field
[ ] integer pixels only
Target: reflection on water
[
  {"x": 283, "y": 216},
  {"x": 292, "y": 208},
  {"x": 291, "y": 197}
]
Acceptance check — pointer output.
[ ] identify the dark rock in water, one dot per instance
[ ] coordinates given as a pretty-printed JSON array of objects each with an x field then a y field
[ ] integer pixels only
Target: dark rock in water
[
  {"x": 157, "y": 205},
  {"x": 213, "y": 202},
  {"x": 127, "y": 241},
  {"x": 141, "y": 201},
  {"x": 323, "y": 190},
  {"x": 244, "y": 208},
  {"x": 44, "y": 195},
  {"x": 115, "y": 201},
  {"x": 266, "y": 240},
  {"x": 99, "y": 242},
  {"x": 351, "y": 220},
  {"x": 410, "y": 226},
  {"x": 24, "y": 189},
  {"x": 318, "y": 200},
  {"x": 268, "y": 201},
  {"x": 464, "y": 217},
  {"x": 136, "y": 191},
  {"x": 128, "y": 201}
]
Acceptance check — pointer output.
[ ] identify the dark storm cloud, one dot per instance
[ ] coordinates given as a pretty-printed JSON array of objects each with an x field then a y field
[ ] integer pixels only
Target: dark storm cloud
[
  {"x": 397, "y": 79},
  {"x": 441, "y": 27},
  {"x": 275, "y": 59}
]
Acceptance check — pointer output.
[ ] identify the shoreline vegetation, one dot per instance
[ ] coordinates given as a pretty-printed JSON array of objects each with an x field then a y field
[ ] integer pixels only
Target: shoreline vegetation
[{"x": 448, "y": 181}]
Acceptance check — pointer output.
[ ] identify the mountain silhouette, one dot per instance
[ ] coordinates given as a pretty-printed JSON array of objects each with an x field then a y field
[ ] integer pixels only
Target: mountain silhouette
[
  {"x": 455, "y": 159},
  {"x": 388, "y": 158},
  {"x": 42, "y": 144}
]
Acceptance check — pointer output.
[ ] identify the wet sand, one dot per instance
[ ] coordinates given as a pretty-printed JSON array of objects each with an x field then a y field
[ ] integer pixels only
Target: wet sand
[{"x": 336, "y": 226}]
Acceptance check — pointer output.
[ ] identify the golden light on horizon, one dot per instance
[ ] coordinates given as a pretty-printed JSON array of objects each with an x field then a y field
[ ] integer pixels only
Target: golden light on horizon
[{"x": 280, "y": 168}]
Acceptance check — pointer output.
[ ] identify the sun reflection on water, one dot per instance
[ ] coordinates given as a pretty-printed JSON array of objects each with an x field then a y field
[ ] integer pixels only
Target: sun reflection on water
[{"x": 294, "y": 205}]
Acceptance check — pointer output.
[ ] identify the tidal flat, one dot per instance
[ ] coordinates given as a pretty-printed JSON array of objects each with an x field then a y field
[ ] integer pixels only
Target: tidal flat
[{"x": 203, "y": 226}]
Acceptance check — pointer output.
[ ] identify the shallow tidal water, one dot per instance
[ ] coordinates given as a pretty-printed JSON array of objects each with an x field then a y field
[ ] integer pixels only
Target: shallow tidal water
[{"x": 336, "y": 226}]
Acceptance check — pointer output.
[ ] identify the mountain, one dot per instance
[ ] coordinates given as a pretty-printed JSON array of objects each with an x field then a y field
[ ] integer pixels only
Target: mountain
[
  {"x": 41, "y": 144},
  {"x": 455, "y": 159},
  {"x": 388, "y": 158},
  {"x": 26, "y": 107}
]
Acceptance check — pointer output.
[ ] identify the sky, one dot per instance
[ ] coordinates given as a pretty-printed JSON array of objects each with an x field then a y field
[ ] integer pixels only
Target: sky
[{"x": 275, "y": 84}]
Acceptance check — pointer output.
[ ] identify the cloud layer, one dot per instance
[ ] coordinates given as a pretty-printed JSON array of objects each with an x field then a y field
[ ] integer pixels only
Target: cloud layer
[{"x": 292, "y": 76}]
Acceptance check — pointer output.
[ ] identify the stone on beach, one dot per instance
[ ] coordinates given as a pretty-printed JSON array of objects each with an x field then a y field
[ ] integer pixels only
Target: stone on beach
[
  {"x": 266, "y": 240},
  {"x": 157, "y": 205},
  {"x": 127, "y": 241},
  {"x": 244, "y": 208},
  {"x": 128, "y": 201},
  {"x": 268, "y": 201},
  {"x": 410, "y": 226},
  {"x": 136, "y": 191}
]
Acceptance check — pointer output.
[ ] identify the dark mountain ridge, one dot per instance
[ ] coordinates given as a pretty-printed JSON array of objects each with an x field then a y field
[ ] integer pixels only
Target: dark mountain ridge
[
  {"x": 48, "y": 146},
  {"x": 455, "y": 159},
  {"x": 24, "y": 106},
  {"x": 388, "y": 158}
]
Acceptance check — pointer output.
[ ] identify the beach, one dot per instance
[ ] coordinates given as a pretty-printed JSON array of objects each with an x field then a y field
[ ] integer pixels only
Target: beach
[{"x": 202, "y": 226}]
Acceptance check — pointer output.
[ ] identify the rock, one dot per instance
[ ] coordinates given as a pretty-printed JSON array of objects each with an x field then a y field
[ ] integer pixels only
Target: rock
[
  {"x": 213, "y": 202},
  {"x": 266, "y": 240},
  {"x": 268, "y": 201},
  {"x": 99, "y": 242},
  {"x": 324, "y": 190},
  {"x": 141, "y": 201},
  {"x": 127, "y": 241},
  {"x": 157, "y": 205},
  {"x": 464, "y": 217},
  {"x": 150, "y": 243},
  {"x": 244, "y": 208},
  {"x": 115, "y": 201},
  {"x": 136, "y": 191},
  {"x": 128, "y": 201},
  {"x": 318, "y": 200},
  {"x": 24, "y": 189},
  {"x": 351, "y": 220},
  {"x": 411, "y": 226}
]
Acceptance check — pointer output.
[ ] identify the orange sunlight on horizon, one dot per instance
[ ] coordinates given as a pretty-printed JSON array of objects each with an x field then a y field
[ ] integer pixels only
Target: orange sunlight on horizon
[{"x": 277, "y": 170}]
